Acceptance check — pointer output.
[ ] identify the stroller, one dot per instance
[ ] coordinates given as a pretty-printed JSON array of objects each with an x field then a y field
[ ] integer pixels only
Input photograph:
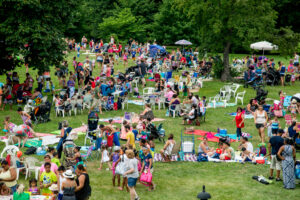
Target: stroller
[
  {"x": 41, "y": 113},
  {"x": 256, "y": 82},
  {"x": 288, "y": 78},
  {"x": 91, "y": 132},
  {"x": 261, "y": 94},
  {"x": 156, "y": 133},
  {"x": 68, "y": 150},
  {"x": 110, "y": 103},
  {"x": 272, "y": 77}
]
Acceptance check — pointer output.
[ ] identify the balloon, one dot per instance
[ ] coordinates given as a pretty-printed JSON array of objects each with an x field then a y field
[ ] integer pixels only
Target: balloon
[{"x": 19, "y": 154}]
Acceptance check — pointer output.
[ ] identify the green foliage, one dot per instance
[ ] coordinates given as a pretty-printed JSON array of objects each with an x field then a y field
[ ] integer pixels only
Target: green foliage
[
  {"x": 287, "y": 41},
  {"x": 225, "y": 23},
  {"x": 171, "y": 24},
  {"x": 34, "y": 30},
  {"x": 124, "y": 24}
]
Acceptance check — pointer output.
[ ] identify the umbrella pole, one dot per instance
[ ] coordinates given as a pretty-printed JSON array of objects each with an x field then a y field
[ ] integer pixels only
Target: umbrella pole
[{"x": 263, "y": 51}]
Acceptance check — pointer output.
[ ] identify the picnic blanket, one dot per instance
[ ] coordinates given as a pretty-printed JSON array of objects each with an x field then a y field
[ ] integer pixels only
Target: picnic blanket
[
  {"x": 214, "y": 139},
  {"x": 43, "y": 134},
  {"x": 185, "y": 157},
  {"x": 287, "y": 101},
  {"x": 220, "y": 105},
  {"x": 79, "y": 131},
  {"x": 199, "y": 132},
  {"x": 49, "y": 140},
  {"x": 133, "y": 120},
  {"x": 136, "y": 102},
  {"x": 32, "y": 143},
  {"x": 247, "y": 116}
]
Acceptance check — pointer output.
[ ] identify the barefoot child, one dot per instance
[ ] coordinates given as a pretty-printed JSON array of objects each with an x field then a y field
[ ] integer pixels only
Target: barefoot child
[
  {"x": 104, "y": 157},
  {"x": 114, "y": 158}
]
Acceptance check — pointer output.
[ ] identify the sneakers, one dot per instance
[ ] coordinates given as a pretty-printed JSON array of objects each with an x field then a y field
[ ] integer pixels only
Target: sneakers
[
  {"x": 271, "y": 177},
  {"x": 278, "y": 179},
  {"x": 137, "y": 198}
]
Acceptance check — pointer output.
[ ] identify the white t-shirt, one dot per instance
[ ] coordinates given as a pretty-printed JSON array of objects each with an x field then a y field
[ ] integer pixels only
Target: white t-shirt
[
  {"x": 195, "y": 100},
  {"x": 249, "y": 147}
]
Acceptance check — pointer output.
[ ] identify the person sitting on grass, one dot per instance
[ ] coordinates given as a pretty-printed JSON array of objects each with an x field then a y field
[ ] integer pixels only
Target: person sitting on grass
[
  {"x": 167, "y": 150},
  {"x": 191, "y": 115},
  {"x": 227, "y": 152},
  {"x": 204, "y": 148}
]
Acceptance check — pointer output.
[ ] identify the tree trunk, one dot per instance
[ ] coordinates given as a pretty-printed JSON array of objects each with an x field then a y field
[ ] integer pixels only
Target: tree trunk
[{"x": 226, "y": 72}]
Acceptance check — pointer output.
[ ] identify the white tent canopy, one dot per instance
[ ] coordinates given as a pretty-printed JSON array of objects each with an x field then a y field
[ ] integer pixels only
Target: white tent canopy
[{"x": 263, "y": 45}]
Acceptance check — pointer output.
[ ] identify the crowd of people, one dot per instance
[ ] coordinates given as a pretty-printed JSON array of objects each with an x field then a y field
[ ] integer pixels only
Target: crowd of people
[{"x": 131, "y": 162}]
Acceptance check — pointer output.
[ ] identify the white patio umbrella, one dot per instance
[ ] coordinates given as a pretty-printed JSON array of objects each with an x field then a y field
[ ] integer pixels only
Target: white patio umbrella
[
  {"x": 183, "y": 42},
  {"x": 264, "y": 46}
]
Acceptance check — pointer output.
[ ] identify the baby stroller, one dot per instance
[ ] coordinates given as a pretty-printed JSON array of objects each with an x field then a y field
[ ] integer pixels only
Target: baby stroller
[
  {"x": 288, "y": 78},
  {"x": 91, "y": 132},
  {"x": 256, "y": 82},
  {"x": 272, "y": 77},
  {"x": 156, "y": 133},
  {"x": 68, "y": 149},
  {"x": 41, "y": 113},
  {"x": 261, "y": 94}
]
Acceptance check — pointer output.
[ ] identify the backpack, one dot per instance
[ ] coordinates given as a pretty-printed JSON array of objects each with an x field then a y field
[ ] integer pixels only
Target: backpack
[
  {"x": 30, "y": 150},
  {"x": 262, "y": 150}
]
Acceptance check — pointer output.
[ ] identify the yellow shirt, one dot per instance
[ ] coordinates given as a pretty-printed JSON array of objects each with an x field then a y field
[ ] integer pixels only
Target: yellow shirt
[{"x": 130, "y": 135}]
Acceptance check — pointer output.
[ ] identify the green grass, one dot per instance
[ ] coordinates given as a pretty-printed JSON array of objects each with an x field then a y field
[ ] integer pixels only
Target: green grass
[{"x": 181, "y": 180}]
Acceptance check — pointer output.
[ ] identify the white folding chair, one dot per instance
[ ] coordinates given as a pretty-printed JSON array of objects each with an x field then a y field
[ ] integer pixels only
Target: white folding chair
[
  {"x": 240, "y": 96},
  {"x": 31, "y": 167}
]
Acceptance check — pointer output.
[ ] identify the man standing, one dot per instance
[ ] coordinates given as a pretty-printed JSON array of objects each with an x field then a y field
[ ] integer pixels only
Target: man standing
[
  {"x": 143, "y": 71},
  {"x": 273, "y": 147},
  {"x": 97, "y": 99}
]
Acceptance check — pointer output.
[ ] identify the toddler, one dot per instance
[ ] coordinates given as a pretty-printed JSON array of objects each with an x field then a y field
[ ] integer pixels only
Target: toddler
[
  {"x": 114, "y": 158},
  {"x": 104, "y": 157},
  {"x": 33, "y": 188}
]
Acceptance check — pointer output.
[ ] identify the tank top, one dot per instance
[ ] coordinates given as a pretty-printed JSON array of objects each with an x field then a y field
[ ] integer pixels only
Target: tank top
[
  {"x": 85, "y": 190},
  {"x": 115, "y": 157},
  {"x": 275, "y": 125},
  {"x": 169, "y": 148},
  {"x": 238, "y": 120},
  {"x": 5, "y": 175},
  {"x": 61, "y": 180},
  {"x": 282, "y": 70},
  {"x": 260, "y": 118},
  {"x": 69, "y": 191},
  {"x": 200, "y": 149}
]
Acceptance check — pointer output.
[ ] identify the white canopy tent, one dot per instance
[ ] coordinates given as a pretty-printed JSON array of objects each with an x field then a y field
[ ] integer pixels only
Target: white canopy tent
[{"x": 264, "y": 46}]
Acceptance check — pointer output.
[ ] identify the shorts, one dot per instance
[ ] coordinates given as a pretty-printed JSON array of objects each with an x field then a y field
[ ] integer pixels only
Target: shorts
[
  {"x": 132, "y": 182},
  {"x": 258, "y": 126},
  {"x": 281, "y": 75},
  {"x": 96, "y": 103},
  {"x": 275, "y": 164},
  {"x": 274, "y": 131},
  {"x": 100, "y": 61}
]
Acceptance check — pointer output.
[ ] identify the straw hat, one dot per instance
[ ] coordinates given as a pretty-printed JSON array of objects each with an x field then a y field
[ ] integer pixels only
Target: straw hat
[
  {"x": 294, "y": 101},
  {"x": 68, "y": 174}
]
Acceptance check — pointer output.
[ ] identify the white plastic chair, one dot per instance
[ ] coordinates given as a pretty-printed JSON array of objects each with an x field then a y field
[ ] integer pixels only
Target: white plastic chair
[
  {"x": 240, "y": 96},
  {"x": 79, "y": 103},
  {"x": 148, "y": 90},
  {"x": 175, "y": 110},
  {"x": 136, "y": 81},
  {"x": 31, "y": 167},
  {"x": 233, "y": 89},
  {"x": 11, "y": 150},
  {"x": 59, "y": 110},
  {"x": 73, "y": 103},
  {"x": 125, "y": 101},
  {"x": 161, "y": 100}
]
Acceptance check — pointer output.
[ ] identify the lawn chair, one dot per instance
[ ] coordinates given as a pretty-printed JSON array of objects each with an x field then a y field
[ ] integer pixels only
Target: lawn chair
[
  {"x": 233, "y": 89},
  {"x": 175, "y": 110},
  {"x": 74, "y": 107},
  {"x": 88, "y": 154},
  {"x": 30, "y": 166},
  {"x": 240, "y": 96}
]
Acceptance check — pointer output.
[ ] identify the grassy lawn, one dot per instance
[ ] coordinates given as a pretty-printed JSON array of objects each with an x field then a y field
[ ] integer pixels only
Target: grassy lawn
[{"x": 181, "y": 180}]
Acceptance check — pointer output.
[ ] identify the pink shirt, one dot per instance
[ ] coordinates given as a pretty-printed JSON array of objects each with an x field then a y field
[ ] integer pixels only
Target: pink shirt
[
  {"x": 169, "y": 95},
  {"x": 54, "y": 168}
]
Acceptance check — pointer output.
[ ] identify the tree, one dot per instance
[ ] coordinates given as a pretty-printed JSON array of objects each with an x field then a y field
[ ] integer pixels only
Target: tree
[
  {"x": 123, "y": 24},
  {"x": 33, "y": 30},
  {"x": 171, "y": 24},
  {"x": 225, "y": 23}
]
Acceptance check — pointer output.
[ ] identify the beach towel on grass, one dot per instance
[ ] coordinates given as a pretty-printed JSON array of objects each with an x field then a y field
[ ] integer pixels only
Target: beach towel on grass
[
  {"x": 187, "y": 157},
  {"x": 247, "y": 116},
  {"x": 136, "y": 102},
  {"x": 214, "y": 139},
  {"x": 220, "y": 105},
  {"x": 199, "y": 132},
  {"x": 32, "y": 143}
]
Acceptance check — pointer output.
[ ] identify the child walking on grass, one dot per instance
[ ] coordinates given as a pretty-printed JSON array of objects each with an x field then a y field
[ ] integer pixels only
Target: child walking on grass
[
  {"x": 114, "y": 158},
  {"x": 104, "y": 157}
]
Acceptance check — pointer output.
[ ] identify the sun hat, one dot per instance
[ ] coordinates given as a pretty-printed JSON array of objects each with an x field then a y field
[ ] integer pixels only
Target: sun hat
[
  {"x": 116, "y": 148},
  {"x": 68, "y": 174},
  {"x": 294, "y": 101}
]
